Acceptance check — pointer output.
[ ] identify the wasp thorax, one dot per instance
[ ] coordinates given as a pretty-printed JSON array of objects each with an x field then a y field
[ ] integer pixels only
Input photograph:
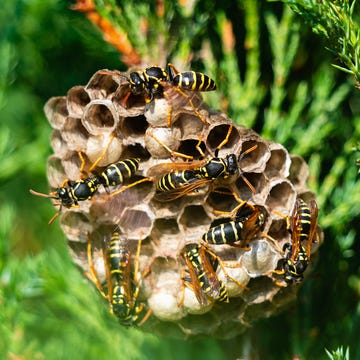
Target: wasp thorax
[{"x": 201, "y": 208}]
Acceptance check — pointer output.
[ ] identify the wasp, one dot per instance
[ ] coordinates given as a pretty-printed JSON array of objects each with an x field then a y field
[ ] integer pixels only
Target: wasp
[
  {"x": 175, "y": 179},
  {"x": 247, "y": 223},
  {"x": 177, "y": 183},
  {"x": 122, "y": 279},
  {"x": 202, "y": 264},
  {"x": 115, "y": 174},
  {"x": 180, "y": 179},
  {"x": 70, "y": 193},
  {"x": 303, "y": 226},
  {"x": 303, "y": 223},
  {"x": 148, "y": 82},
  {"x": 152, "y": 82},
  {"x": 190, "y": 80},
  {"x": 185, "y": 177},
  {"x": 293, "y": 269}
]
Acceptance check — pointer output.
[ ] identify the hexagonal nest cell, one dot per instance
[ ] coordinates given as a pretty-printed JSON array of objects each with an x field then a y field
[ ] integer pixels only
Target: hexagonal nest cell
[{"x": 103, "y": 123}]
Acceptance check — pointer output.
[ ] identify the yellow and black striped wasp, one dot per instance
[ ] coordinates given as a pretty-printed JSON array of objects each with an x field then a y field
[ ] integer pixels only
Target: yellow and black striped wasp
[
  {"x": 201, "y": 267},
  {"x": 202, "y": 264},
  {"x": 122, "y": 279},
  {"x": 190, "y": 80},
  {"x": 293, "y": 269},
  {"x": 303, "y": 223},
  {"x": 246, "y": 224},
  {"x": 303, "y": 226},
  {"x": 183, "y": 178},
  {"x": 153, "y": 81},
  {"x": 71, "y": 192},
  {"x": 116, "y": 174},
  {"x": 148, "y": 82}
]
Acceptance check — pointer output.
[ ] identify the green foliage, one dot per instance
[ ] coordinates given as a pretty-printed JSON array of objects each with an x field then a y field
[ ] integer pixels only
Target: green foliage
[
  {"x": 273, "y": 77},
  {"x": 245, "y": 108},
  {"x": 338, "y": 23},
  {"x": 338, "y": 354},
  {"x": 357, "y": 148}
]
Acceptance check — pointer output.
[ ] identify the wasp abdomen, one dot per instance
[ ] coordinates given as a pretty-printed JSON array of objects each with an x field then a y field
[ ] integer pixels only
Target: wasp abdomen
[
  {"x": 303, "y": 222},
  {"x": 175, "y": 179},
  {"x": 116, "y": 174},
  {"x": 194, "y": 81},
  {"x": 227, "y": 233}
]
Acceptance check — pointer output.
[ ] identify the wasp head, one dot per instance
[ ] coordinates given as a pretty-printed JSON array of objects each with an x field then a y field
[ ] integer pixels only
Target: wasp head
[
  {"x": 232, "y": 165},
  {"x": 137, "y": 83}
]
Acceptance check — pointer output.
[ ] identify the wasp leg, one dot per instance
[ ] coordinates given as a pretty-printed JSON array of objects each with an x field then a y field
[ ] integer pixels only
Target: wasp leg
[
  {"x": 136, "y": 264},
  {"x": 173, "y": 154},
  {"x": 83, "y": 163},
  {"x": 246, "y": 181},
  {"x": 125, "y": 99},
  {"x": 54, "y": 217},
  {"x": 286, "y": 217},
  {"x": 93, "y": 166},
  {"x": 182, "y": 296},
  {"x": 189, "y": 99},
  {"x": 281, "y": 251},
  {"x": 225, "y": 141},
  {"x": 198, "y": 148},
  {"x": 233, "y": 211},
  {"x": 123, "y": 188},
  {"x": 91, "y": 275},
  {"x": 185, "y": 281},
  {"x": 171, "y": 70},
  {"x": 277, "y": 272},
  {"x": 239, "y": 206},
  {"x": 220, "y": 262},
  {"x": 145, "y": 318}
]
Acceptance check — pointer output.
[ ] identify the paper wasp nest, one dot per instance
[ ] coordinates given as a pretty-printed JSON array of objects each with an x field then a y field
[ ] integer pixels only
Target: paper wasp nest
[{"x": 96, "y": 122}]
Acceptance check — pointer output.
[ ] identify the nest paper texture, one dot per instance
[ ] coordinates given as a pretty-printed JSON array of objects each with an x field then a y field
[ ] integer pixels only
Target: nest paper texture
[{"x": 95, "y": 121}]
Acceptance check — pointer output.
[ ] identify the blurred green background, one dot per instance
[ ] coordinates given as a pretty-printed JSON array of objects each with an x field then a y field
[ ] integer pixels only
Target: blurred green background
[{"x": 278, "y": 79}]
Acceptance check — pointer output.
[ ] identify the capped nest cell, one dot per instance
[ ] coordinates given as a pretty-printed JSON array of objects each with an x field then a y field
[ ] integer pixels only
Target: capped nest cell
[{"x": 103, "y": 123}]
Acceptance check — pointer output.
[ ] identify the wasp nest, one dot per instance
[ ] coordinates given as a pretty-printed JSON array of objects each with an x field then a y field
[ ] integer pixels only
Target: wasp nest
[{"x": 102, "y": 123}]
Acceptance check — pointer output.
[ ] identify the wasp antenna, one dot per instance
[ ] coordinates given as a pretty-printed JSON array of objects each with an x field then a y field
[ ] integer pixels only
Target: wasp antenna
[
  {"x": 49, "y": 196},
  {"x": 241, "y": 156},
  {"x": 248, "y": 183},
  {"x": 125, "y": 77},
  {"x": 54, "y": 217}
]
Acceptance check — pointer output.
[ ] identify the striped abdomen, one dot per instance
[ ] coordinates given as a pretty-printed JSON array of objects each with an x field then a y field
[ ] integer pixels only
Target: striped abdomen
[
  {"x": 194, "y": 81},
  {"x": 123, "y": 296},
  {"x": 175, "y": 180},
  {"x": 227, "y": 233},
  {"x": 118, "y": 259},
  {"x": 116, "y": 174},
  {"x": 200, "y": 265},
  {"x": 303, "y": 221}
]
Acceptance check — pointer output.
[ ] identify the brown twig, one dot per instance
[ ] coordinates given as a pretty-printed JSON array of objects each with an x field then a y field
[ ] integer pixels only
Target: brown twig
[{"x": 112, "y": 35}]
